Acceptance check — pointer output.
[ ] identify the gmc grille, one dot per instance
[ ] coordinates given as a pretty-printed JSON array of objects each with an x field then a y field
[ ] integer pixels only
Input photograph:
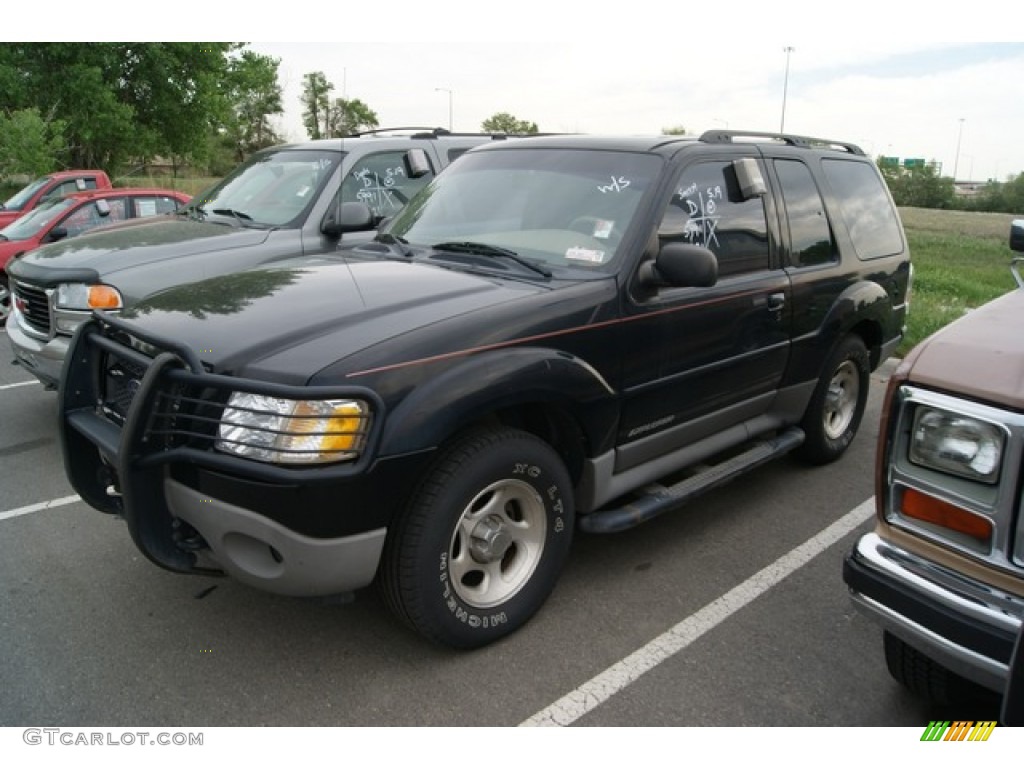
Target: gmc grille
[{"x": 34, "y": 305}]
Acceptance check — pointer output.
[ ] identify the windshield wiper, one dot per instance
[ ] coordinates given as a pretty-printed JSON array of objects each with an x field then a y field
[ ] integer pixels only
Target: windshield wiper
[
  {"x": 483, "y": 249},
  {"x": 400, "y": 243},
  {"x": 240, "y": 217}
]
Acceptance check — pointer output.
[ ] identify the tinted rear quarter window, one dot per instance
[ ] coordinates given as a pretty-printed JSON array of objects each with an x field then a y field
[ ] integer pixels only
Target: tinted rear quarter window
[
  {"x": 865, "y": 208},
  {"x": 810, "y": 235}
]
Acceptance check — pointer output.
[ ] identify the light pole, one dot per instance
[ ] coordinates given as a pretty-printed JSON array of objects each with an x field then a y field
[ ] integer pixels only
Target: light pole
[
  {"x": 785, "y": 87},
  {"x": 956, "y": 160},
  {"x": 449, "y": 92}
]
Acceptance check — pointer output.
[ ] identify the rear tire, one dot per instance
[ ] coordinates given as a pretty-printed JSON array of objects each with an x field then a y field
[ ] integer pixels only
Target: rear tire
[
  {"x": 837, "y": 405},
  {"x": 482, "y": 543}
]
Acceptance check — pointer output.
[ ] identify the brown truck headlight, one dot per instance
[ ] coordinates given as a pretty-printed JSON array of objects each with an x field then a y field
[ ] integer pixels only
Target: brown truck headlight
[
  {"x": 282, "y": 431},
  {"x": 957, "y": 444}
]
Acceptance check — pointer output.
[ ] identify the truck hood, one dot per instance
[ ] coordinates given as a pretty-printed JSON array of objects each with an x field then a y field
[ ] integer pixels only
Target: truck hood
[
  {"x": 285, "y": 323},
  {"x": 981, "y": 355},
  {"x": 147, "y": 241}
]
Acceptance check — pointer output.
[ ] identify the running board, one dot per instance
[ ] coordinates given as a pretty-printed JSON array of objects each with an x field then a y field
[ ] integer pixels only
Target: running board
[{"x": 656, "y": 499}]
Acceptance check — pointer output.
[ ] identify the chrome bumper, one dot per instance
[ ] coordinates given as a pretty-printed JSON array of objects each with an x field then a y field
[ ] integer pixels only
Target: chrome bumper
[{"x": 936, "y": 605}]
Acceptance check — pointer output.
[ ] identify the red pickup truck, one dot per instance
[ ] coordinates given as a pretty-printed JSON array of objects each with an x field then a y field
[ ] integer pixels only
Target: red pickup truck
[{"x": 51, "y": 186}]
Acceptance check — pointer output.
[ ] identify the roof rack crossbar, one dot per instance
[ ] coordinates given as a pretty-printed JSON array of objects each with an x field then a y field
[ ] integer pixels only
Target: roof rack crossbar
[{"x": 728, "y": 137}]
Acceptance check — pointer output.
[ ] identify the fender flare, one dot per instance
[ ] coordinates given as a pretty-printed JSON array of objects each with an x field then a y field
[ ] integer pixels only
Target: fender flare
[
  {"x": 864, "y": 301},
  {"x": 440, "y": 406}
]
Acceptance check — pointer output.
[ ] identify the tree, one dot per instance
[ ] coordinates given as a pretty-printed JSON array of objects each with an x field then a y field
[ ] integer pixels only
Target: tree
[
  {"x": 919, "y": 186},
  {"x": 316, "y": 104},
  {"x": 503, "y": 122},
  {"x": 253, "y": 95},
  {"x": 30, "y": 143},
  {"x": 675, "y": 130},
  {"x": 1002, "y": 197},
  {"x": 120, "y": 101},
  {"x": 349, "y": 116}
]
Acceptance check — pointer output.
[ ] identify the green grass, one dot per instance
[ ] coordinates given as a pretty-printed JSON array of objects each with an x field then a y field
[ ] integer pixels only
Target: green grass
[
  {"x": 961, "y": 261},
  {"x": 190, "y": 186}
]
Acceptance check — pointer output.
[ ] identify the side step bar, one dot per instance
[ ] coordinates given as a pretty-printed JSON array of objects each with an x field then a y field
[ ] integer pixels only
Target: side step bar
[{"x": 656, "y": 499}]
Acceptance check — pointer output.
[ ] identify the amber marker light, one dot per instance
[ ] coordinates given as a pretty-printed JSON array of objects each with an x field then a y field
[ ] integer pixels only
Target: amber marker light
[
  {"x": 921, "y": 506},
  {"x": 103, "y": 297}
]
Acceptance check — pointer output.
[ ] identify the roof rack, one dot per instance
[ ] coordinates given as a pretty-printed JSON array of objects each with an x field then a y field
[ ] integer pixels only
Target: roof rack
[
  {"x": 422, "y": 132},
  {"x": 807, "y": 142}
]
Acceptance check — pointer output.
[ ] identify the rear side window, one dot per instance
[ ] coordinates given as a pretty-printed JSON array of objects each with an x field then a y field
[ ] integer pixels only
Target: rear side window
[
  {"x": 810, "y": 236},
  {"x": 865, "y": 208},
  {"x": 151, "y": 206}
]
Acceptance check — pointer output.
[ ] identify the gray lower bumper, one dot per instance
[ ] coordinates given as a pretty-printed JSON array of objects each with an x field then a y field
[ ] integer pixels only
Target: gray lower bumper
[
  {"x": 966, "y": 601},
  {"x": 43, "y": 359},
  {"x": 263, "y": 554}
]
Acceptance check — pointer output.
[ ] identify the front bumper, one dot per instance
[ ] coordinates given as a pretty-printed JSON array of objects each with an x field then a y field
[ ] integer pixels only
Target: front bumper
[
  {"x": 44, "y": 359},
  {"x": 266, "y": 555},
  {"x": 965, "y": 625},
  {"x": 190, "y": 509}
]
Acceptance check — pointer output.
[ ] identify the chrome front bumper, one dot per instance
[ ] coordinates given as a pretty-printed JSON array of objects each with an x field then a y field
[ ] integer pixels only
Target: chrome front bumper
[
  {"x": 43, "y": 358},
  {"x": 965, "y": 625}
]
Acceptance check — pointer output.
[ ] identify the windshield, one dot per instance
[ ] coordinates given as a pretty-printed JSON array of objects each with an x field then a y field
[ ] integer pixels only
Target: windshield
[
  {"x": 562, "y": 207},
  {"x": 31, "y": 224},
  {"x": 272, "y": 189},
  {"x": 17, "y": 202}
]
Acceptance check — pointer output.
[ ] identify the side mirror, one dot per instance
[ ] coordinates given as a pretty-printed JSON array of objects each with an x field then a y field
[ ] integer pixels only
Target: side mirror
[
  {"x": 103, "y": 207},
  {"x": 680, "y": 265},
  {"x": 347, "y": 217},
  {"x": 748, "y": 174},
  {"x": 417, "y": 164},
  {"x": 57, "y": 233},
  {"x": 1017, "y": 235}
]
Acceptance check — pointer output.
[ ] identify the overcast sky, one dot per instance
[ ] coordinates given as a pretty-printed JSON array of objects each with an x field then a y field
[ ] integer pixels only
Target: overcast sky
[
  {"x": 914, "y": 82},
  {"x": 920, "y": 100}
]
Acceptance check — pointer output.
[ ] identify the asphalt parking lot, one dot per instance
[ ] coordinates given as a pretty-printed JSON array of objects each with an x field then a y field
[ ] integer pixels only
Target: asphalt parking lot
[{"x": 729, "y": 612}]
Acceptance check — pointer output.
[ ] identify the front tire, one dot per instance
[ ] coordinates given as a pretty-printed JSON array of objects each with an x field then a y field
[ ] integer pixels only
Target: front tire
[
  {"x": 928, "y": 679},
  {"x": 482, "y": 543},
  {"x": 837, "y": 405}
]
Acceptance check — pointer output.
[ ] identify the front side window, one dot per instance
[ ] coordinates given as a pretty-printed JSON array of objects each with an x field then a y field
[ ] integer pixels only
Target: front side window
[
  {"x": 383, "y": 183},
  {"x": 707, "y": 209},
  {"x": 88, "y": 216},
  {"x": 864, "y": 205},
  {"x": 565, "y": 207}
]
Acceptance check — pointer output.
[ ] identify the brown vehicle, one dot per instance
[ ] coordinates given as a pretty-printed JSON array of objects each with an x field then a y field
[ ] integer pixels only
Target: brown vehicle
[{"x": 943, "y": 570}]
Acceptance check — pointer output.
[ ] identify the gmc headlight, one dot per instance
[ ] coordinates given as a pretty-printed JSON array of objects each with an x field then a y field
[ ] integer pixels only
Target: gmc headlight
[
  {"x": 88, "y": 297},
  {"x": 281, "y": 431},
  {"x": 957, "y": 444}
]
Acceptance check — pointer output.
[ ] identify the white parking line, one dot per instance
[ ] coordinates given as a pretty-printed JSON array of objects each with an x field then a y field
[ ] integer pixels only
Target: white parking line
[
  {"x": 39, "y": 507},
  {"x": 599, "y": 689},
  {"x": 19, "y": 384}
]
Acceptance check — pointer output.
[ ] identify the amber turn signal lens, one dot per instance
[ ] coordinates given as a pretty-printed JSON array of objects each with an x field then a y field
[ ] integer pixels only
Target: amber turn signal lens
[
  {"x": 103, "y": 297},
  {"x": 921, "y": 506}
]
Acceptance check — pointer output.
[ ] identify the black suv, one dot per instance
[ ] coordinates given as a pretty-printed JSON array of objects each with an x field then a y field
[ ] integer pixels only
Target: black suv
[{"x": 547, "y": 332}]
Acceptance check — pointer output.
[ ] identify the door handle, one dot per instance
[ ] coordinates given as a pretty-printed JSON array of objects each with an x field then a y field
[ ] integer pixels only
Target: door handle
[{"x": 776, "y": 302}]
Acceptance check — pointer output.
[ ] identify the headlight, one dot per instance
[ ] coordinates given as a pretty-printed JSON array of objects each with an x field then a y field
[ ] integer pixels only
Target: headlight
[
  {"x": 281, "y": 431},
  {"x": 957, "y": 444},
  {"x": 86, "y": 297}
]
